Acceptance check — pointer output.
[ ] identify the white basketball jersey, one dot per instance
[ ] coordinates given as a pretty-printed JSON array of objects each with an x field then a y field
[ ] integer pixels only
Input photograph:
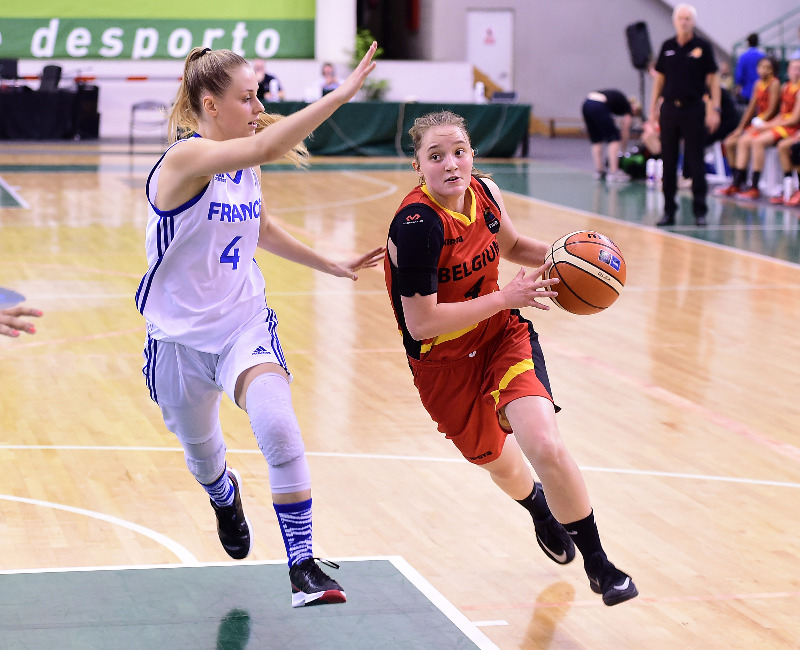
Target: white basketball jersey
[{"x": 203, "y": 284}]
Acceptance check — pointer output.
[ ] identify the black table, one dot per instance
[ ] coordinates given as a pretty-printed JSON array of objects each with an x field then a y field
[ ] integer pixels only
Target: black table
[
  {"x": 27, "y": 114},
  {"x": 381, "y": 128}
]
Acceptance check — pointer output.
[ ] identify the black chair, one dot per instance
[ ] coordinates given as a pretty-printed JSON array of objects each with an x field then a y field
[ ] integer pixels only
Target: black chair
[
  {"x": 8, "y": 69},
  {"x": 51, "y": 77}
]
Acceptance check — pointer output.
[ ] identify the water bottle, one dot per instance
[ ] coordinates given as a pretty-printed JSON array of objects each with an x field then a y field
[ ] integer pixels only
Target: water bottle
[
  {"x": 479, "y": 93},
  {"x": 273, "y": 90}
]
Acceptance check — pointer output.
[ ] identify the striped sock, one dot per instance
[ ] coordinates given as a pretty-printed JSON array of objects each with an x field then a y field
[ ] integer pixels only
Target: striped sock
[
  {"x": 221, "y": 491},
  {"x": 295, "y": 523}
]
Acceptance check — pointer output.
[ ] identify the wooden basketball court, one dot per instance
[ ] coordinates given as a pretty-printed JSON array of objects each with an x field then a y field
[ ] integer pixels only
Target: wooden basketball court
[{"x": 681, "y": 403}]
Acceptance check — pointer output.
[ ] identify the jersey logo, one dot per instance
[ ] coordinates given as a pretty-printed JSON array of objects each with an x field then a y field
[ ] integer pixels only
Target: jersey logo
[
  {"x": 492, "y": 222},
  {"x": 261, "y": 350},
  {"x": 236, "y": 178}
]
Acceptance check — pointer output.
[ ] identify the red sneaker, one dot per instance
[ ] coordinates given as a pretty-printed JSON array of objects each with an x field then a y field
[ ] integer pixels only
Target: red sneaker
[
  {"x": 731, "y": 190},
  {"x": 777, "y": 200},
  {"x": 753, "y": 193},
  {"x": 794, "y": 200}
]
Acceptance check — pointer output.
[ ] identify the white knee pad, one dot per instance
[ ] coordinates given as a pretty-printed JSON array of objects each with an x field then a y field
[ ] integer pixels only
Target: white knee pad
[
  {"x": 200, "y": 435},
  {"x": 269, "y": 405}
]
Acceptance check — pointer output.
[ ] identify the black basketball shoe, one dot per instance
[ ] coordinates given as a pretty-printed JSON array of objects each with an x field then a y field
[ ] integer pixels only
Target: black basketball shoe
[
  {"x": 233, "y": 527},
  {"x": 606, "y": 579},
  {"x": 552, "y": 538},
  {"x": 312, "y": 586}
]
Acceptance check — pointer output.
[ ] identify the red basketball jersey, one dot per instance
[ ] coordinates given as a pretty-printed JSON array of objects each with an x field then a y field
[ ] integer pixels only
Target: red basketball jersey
[
  {"x": 467, "y": 268},
  {"x": 788, "y": 98}
]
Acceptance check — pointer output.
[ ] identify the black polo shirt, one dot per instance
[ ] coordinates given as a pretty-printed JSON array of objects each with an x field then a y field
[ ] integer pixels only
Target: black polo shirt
[{"x": 685, "y": 68}]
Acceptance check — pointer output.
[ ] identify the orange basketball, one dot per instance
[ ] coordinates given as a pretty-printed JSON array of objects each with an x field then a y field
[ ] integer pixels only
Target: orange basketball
[{"x": 591, "y": 271}]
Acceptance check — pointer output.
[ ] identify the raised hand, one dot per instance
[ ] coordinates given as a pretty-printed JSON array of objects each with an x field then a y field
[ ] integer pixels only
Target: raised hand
[{"x": 353, "y": 83}]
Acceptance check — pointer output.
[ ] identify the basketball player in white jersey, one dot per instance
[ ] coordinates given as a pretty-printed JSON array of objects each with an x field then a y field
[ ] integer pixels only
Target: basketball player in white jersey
[{"x": 209, "y": 328}]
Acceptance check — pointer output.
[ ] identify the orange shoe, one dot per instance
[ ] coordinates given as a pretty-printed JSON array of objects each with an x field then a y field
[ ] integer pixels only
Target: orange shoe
[
  {"x": 794, "y": 200},
  {"x": 753, "y": 193},
  {"x": 777, "y": 200},
  {"x": 731, "y": 190}
]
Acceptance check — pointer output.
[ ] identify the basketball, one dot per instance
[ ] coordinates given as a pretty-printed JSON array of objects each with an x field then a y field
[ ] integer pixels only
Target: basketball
[{"x": 591, "y": 271}]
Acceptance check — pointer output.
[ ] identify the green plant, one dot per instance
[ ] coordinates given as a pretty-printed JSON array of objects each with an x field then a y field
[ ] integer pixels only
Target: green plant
[{"x": 374, "y": 89}]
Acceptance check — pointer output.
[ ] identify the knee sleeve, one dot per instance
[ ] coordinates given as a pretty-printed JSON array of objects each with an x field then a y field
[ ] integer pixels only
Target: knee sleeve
[
  {"x": 269, "y": 405},
  {"x": 290, "y": 477},
  {"x": 200, "y": 435}
]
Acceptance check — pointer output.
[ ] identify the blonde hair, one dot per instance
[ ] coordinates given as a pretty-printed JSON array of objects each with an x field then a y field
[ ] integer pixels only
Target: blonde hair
[
  {"x": 426, "y": 122},
  {"x": 208, "y": 71}
]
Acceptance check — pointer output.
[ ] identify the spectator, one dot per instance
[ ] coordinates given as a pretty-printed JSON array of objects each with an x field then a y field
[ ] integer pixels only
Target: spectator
[
  {"x": 747, "y": 70},
  {"x": 599, "y": 110},
  {"x": 329, "y": 79},
  {"x": 684, "y": 69},
  {"x": 269, "y": 86},
  {"x": 752, "y": 145},
  {"x": 11, "y": 323},
  {"x": 762, "y": 107}
]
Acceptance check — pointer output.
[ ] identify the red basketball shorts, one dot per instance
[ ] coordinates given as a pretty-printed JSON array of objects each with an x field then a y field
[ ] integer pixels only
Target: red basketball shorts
[{"x": 466, "y": 396}]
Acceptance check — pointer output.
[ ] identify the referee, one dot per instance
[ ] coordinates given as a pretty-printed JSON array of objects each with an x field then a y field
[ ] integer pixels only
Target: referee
[{"x": 685, "y": 69}]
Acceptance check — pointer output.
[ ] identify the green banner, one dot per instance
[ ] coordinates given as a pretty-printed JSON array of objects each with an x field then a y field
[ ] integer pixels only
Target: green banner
[
  {"x": 103, "y": 38},
  {"x": 154, "y": 29}
]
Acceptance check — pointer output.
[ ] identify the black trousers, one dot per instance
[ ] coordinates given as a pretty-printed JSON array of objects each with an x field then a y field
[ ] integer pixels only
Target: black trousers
[{"x": 687, "y": 124}]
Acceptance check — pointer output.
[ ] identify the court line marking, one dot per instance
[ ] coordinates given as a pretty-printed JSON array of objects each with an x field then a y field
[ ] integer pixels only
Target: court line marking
[
  {"x": 14, "y": 195},
  {"x": 654, "y": 229},
  {"x": 179, "y": 551},
  {"x": 740, "y": 429},
  {"x": 389, "y": 189},
  {"x": 430, "y": 459},
  {"x": 434, "y": 596}
]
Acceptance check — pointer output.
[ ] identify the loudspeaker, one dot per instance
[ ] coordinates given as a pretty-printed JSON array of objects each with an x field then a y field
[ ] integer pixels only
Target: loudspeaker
[{"x": 639, "y": 45}]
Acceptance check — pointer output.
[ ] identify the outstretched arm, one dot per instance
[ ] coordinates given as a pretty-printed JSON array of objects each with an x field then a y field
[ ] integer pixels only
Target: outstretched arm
[
  {"x": 206, "y": 157},
  {"x": 277, "y": 241}
]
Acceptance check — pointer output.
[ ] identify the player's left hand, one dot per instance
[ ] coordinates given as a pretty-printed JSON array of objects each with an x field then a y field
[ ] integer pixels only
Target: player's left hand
[{"x": 366, "y": 261}]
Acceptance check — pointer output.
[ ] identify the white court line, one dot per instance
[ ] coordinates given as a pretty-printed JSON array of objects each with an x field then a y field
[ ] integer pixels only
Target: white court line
[
  {"x": 13, "y": 194},
  {"x": 444, "y": 605},
  {"x": 426, "y": 459},
  {"x": 467, "y": 627},
  {"x": 390, "y": 188},
  {"x": 668, "y": 233},
  {"x": 179, "y": 551}
]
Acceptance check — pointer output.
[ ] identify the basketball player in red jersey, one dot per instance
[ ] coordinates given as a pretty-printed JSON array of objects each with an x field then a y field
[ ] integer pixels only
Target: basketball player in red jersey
[{"x": 476, "y": 361}]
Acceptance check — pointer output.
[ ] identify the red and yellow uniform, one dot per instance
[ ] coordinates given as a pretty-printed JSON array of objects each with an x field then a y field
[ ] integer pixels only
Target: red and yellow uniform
[
  {"x": 464, "y": 378},
  {"x": 761, "y": 91},
  {"x": 788, "y": 99}
]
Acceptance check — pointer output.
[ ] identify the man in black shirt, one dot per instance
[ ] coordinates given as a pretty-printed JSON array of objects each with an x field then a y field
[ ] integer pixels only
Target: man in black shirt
[
  {"x": 684, "y": 69},
  {"x": 599, "y": 110}
]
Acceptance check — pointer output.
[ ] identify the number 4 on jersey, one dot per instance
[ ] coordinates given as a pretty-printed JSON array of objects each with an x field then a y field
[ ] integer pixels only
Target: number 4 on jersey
[
  {"x": 475, "y": 291},
  {"x": 231, "y": 256}
]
